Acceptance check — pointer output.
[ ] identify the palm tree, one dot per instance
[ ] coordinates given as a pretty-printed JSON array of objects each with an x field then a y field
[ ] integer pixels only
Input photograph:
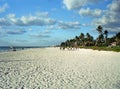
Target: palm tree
[
  {"x": 72, "y": 41},
  {"x": 77, "y": 40},
  {"x": 89, "y": 39},
  {"x": 67, "y": 43},
  {"x": 81, "y": 37},
  {"x": 88, "y": 36},
  {"x": 106, "y": 34},
  {"x": 99, "y": 40},
  {"x": 101, "y": 37},
  {"x": 62, "y": 45},
  {"x": 118, "y": 38},
  {"x": 99, "y": 29}
]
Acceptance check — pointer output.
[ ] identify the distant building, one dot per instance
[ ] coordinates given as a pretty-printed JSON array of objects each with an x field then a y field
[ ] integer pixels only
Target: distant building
[{"x": 114, "y": 44}]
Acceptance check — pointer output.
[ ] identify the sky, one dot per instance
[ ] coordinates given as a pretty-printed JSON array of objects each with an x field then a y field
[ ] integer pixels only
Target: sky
[{"x": 50, "y": 22}]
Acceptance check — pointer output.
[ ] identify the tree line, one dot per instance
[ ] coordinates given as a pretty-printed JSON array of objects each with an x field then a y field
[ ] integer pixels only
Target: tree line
[{"x": 88, "y": 40}]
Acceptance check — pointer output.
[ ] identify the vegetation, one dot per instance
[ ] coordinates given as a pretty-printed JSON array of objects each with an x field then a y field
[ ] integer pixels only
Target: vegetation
[
  {"x": 114, "y": 48},
  {"x": 102, "y": 42}
]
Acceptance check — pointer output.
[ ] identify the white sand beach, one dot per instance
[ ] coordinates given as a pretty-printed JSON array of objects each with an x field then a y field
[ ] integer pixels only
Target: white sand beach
[{"x": 51, "y": 68}]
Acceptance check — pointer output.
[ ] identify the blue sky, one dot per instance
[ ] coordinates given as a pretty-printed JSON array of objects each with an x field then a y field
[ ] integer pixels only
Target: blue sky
[{"x": 49, "y": 22}]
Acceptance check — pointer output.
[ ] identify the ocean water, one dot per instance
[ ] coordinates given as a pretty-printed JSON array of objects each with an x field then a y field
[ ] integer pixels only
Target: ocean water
[{"x": 7, "y": 48}]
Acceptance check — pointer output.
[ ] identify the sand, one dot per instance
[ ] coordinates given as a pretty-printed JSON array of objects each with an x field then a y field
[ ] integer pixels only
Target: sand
[{"x": 51, "y": 68}]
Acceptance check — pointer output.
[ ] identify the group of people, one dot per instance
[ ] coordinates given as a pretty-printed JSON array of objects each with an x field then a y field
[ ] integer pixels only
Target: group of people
[{"x": 72, "y": 47}]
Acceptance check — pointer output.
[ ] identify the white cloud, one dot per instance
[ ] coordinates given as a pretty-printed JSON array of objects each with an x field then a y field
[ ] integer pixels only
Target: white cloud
[
  {"x": 75, "y": 4},
  {"x": 3, "y": 8},
  {"x": 51, "y": 27},
  {"x": 114, "y": 6},
  {"x": 39, "y": 35},
  {"x": 72, "y": 4},
  {"x": 89, "y": 12},
  {"x": 33, "y": 21},
  {"x": 11, "y": 16},
  {"x": 15, "y": 32},
  {"x": 69, "y": 25},
  {"x": 12, "y": 31},
  {"x": 37, "y": 20},
  {"x": 4, "y": 22},
  {"x": 61, "y": 25},
  {"x": 111, "y": 19}
]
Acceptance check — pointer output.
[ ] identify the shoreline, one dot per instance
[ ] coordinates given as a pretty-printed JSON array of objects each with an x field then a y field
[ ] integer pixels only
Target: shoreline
[{"x": 78, "y": 49}]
